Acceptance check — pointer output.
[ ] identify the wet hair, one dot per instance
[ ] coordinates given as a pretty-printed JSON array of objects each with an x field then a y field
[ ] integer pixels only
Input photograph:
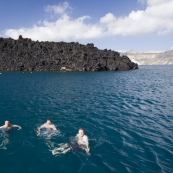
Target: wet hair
[
  {"x": 49, "y": 120},
  {"x": 82, "y": 129}
]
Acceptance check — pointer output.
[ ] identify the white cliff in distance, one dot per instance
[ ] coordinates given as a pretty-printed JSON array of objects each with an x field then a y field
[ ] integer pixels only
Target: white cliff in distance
[{"x": 150, "y": 58}]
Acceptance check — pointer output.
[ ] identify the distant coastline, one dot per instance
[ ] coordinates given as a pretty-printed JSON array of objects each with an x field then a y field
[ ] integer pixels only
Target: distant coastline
[
  {"x": 150, "y": 58},
  {"x": 27, "y": 55}
]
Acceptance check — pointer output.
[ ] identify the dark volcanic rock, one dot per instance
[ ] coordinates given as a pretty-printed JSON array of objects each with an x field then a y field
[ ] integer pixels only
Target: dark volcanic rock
[{"x": 27, "y": 55}]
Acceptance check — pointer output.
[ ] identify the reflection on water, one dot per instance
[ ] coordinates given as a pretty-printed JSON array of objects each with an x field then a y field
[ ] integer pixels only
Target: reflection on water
[
  {"x": 4, "y": 141},
  {"x": 48, "y": 133},
  {"x": 4, "y": 138},
  {"x": 127, "y": 117}
]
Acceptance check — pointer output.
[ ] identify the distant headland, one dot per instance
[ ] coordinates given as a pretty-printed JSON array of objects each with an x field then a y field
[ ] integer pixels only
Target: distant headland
[
  {"x": 27, "y": 55},
  {"x": 150, "y": 58}
]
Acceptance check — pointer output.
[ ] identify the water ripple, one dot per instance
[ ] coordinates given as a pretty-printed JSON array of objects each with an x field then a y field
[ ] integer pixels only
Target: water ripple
[{"x": 126, "y": 115}]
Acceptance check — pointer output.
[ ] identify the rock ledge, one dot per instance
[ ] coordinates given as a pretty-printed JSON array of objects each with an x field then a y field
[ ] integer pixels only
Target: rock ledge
[{"x": 27, "y": 55}]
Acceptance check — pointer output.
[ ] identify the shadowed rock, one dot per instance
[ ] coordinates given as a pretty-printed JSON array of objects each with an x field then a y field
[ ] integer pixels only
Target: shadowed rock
[{"x": 27, "y": 55}]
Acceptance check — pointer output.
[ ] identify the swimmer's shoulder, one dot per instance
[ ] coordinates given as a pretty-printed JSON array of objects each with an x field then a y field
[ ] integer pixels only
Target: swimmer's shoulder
[
  {"x": 6, "y": 128},
  {"x": 53, "y": 125},
  {"x": 2, "y": 127},
  {"x": 43, "y": 125},
  {"x": 85, "y": 137}
]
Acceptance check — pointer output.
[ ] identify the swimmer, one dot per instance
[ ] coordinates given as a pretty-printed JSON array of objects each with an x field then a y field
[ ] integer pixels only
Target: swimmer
[
  {"x": 81, "y": 143},
  {"x": 48, "y": 125},
  {"x": 7, "y": 126}
]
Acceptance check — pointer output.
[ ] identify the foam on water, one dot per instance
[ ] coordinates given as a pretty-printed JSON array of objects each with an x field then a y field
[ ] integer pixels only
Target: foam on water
[{"x": 45, "y": 133}]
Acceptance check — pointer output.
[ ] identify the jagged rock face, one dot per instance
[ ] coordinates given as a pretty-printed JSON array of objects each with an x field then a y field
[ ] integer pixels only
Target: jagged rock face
[{"x": 27, "y": 55}]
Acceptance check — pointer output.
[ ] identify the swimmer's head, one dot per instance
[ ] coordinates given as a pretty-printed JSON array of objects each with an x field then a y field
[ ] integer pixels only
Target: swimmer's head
[
  {"x": 7, "y": 123},
  {"x": 49, "y": 121},
  {"x": 81, "y": 132}
]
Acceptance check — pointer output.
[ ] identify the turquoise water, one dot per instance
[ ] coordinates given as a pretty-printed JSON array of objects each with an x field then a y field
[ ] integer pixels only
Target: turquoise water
[{"x": 127, "y": 116}]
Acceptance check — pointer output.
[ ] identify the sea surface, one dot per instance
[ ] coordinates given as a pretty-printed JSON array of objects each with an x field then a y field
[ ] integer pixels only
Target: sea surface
[{"x": 127, "y": 116}]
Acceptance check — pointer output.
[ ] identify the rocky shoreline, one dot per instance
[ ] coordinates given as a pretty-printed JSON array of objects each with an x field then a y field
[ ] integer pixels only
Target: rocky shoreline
[{"x": 27, "y": 55}]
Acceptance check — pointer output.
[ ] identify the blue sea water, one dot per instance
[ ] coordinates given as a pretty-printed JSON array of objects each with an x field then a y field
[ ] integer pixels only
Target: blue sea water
[{"x": 127, "y": 116}]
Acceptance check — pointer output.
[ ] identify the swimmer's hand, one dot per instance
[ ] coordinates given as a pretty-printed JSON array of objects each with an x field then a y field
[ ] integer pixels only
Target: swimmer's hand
[
  {"x": 49, "y": 135},
  {"x": 86, "y": 148},
  {"x": 38, "y": 133},
  {"x": 87, "y": 151},
  {"x": 19, "y": 128}
]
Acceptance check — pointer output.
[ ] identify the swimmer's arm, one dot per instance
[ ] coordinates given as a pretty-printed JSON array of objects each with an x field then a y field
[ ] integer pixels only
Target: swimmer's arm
[
  {"x": 1, "y": 127},
  {"x": 85, "y": 147},
  {"x": 54, "y": 128},
  {"x": 42, "y": 126},
  {"x": 87, "y": 150},
  {"x": 83, "y": 141},
  {"x": 38, "y": 129},
  {"x": 76, "y": 137},
  {"x": 19, "y": 127},
  {"x": 86, "y": 144}
]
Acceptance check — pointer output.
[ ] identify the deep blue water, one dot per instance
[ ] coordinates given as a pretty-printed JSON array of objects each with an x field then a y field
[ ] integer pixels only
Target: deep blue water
[{"x": 127, "y": 116}]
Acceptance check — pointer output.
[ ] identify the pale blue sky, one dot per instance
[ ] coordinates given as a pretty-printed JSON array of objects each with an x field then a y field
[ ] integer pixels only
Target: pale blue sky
[{"x": 139, "y": 25}]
